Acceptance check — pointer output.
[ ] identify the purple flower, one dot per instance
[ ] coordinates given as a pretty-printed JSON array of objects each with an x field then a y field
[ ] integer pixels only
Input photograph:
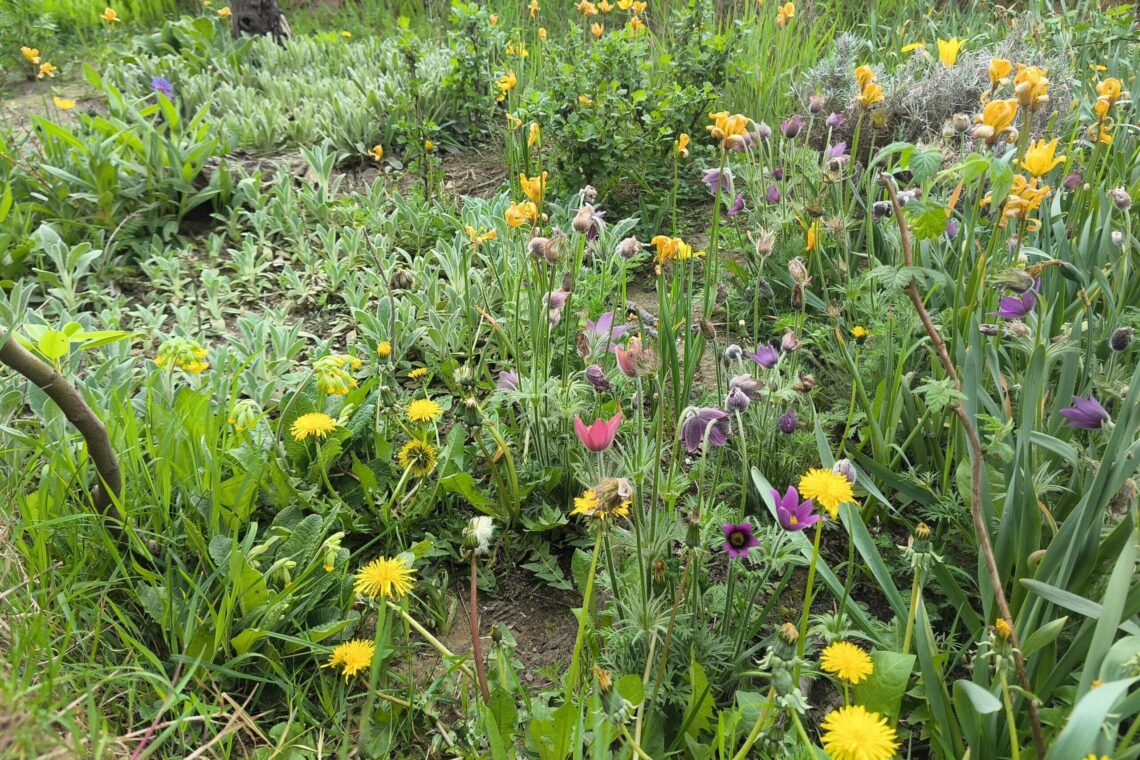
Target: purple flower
[
  {"x": 773, "y": 195},
  {"x": 835, "y": 120},
  {"x": 1072, "y": 180},
  {"x": 718, "y": 180},
  {"x": 739, "y": 539},
  {"x": 705, "y": 423},
  {"x": 792, "y": 513},
  {"x": 778, "y": 173},
  {"x": 158, "y": 84},
  {"x": 747, "y": 140},
  {"x": 598, "y": 435},
  {"x": 555, "y": 301},
  {"x": 815, "y": 104},
  {"x": 737, "y": 206},
  {"x": 765, "y": 356},
  {"x": 787, "y": 422},
  {"x": 737, "y": 400},
  {"x": 596, "y": 376},
  {"x": 1086, "y": 413},
  {"x": 747, "y": 385},
  {"x": 790, "y": 343},
  {"x": 1015, "y": 307},
  {"x": 763, "y": 131},
  {"x": 791, "y": 127},
  {"x": 951, "y": 229},
  {"x": 837, "y": 151},
  {"x": 604, "y": 327},
  {"x": 508, "y": 381},
  {"x": 846, "y": 469}
]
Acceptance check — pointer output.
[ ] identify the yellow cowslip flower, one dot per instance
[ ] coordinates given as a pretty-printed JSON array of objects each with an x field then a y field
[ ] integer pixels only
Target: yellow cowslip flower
[
  {"x": 513, "y": 122},
  {"x": 534, "y": 134},
  {"x": 533, "y": 9},
  {"x": 494, "y": 19},
  {"x": 1031, "y": 87},
  {"x": 948, "y": 50},
  {"x": 625, "y": 5},
  {"x": 864, "y": 75},
  {"x": 542, "y": 33},
  {"x": 999, "y": 71},
  {"x": 586, "y": 8},
  {"x": 521, "y": 213},
  {"x": 429, "y": 146},
  {"x": 871, "y": 94},
  {"x": 638, "y": 6},
  {"x": 784, "y": 14},
  {"x": 110, "y": 15},
  {"x": 225, "y": 12},
  {"x": 585, "y": 100},
  {"x": 478, "y": 238},
  {"x": 46, "y": 70},
  {"x": 597, "y": 29},
  {"x": 63, "y": 104},
  {"x": 377, "y": 152},
  {"x": 31, "y": 55},
  {"x": 533, "y": 187},
  {"x": 605, "y": 6},
  {"x": 730, "y": 131},
  {"x": 1039, "y": 159},
  {"x": 681, "y": 147},
  {"x": 635, "y": 24},
  {"x": 994, "y": 120},
  {"x": 352, "y": 657},
  {"x": 913, "y": 46},
  {"x": 506, "y": 83}
]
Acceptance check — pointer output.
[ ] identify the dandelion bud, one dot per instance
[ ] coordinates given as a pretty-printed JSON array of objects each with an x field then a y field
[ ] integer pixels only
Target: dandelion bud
[
  {"x": 790, "y": 343},
  {"x": 737, "y": 401},
  {"x": 787, "y": 422},
  {"x": 846, "y": 469},
  {"x": 1120, "y": 198},
  {"x": 960, "y": 122},
  {"x": 1072, "y": 180},
  {"x": 922, "y": 530},
  {"x": 384, "y": 349},
  {"x": 1121, "y": 339},
  {"x": 629, "y": 247},
  {"x": 798, "y": 271},
  {"x": 789, "y": 634},
  {"x": 733, "y": 354},
  {"x": 1002, "y": 629},
  {"x": 589, "y": 194},
  {"x": 478, "y": 533},
  {"x": 815, "y": 104},
  {"x": 990, "y": 330},
  {"x": 605, "y": 680},
  {"x": 1117, "y": 238},
  {"x": 708, "y": 329},
  {"x": 1017, "y": 280},
  {"x": 464, "y": 377},
  {"x": 596, "y": 376},
  {"x": 402, "y": 280}
]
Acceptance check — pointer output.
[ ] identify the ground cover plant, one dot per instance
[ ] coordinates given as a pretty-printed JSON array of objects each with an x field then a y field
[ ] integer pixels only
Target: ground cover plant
[{"x": 546, "y": 379}]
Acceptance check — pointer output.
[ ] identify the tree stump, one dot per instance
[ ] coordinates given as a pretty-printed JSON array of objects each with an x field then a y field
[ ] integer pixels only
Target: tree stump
[{"x": 258, "y": 17}]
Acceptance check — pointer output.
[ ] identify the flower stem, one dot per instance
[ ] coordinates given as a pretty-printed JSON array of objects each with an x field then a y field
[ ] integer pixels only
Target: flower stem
[
  {"x": 373, "y": 676},
  {"x": 915, "y": 592},
  {"x": 476, "y": 649},
  {"x": 1014, "y": 750},
  {"x": 757, "y": 727},
  {"x": 587, "y": 601},
  {"x": 802, "y": 640}
]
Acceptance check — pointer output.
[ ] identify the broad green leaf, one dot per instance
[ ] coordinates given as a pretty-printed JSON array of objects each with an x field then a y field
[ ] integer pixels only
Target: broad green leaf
[
  {"x": 699, "y": 710},
  {"x": 631, "y": 688},
  {"x": 463, "y": 484},
  {"x": 883, "y": 690},
  {"x": 1078, "y": 737},
  {"x": 54, "y": 344},
  {"x": 1042, "y": 636},
  {"x": 981, "y": 699}
]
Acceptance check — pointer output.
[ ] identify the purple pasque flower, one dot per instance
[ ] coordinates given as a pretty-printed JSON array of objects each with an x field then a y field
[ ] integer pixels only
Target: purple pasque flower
[
  {"x": 738, "y": 539},
  {"x": 737, "y": 205},
  {"x": 737, "y": 400},
  {"x": 1086, "y": 413},
  {"x": 772, "y": 195},
  {"x": 793, "y": 514},
  {"x": 598, "y": 435},
  {"x": 763, "y": 131},
  {"x": 555, "y": 302},
  {"x": 837, "y": 151},
  {"x": 1073, "y": 180},
  {"x": 596, "y": 376},
  {"x": 701, "y": 424},
  {"x": 159, "y": 84},
  {"x": 765, "y": 355},
  {"x": 718, "y": 180},
  {"x": 778, "y": 174},
  {"x": 747, "y": 385},
  {"x": 790, "y": 128},
  {"x": 790, "y": 343},
  {"x": 1016, "y": 307},
  {"x": 604, "y": 327},
  {"x": 835, "y": 120},
  {"x": 508, "y": 381},
  {"x": 787, "y": 422},
  {"x": 952, "y": 228}
]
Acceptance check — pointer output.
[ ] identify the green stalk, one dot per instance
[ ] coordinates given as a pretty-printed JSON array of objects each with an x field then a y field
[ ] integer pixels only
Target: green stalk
[
  {"x": 757, "y": 727},
  {"x": 802, "y": 641},
  {"x": 373, "y": 676},
  {"x": 915, "y": 593},
  {"x": 1014, "y": 749},
  {"x": 587, "y": 603}
]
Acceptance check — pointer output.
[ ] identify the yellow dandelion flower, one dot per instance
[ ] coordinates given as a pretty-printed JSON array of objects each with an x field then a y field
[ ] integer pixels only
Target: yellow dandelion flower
[
  {"x": 417, "y": 373},
  {"x": 313, "y": 424},
  {"x": 63, "y": 104},
  {"x": 377, "y": 152},
  {"x": 424, "y": 410},
  {"x": 860, "y": 334},
  {"x": 384, "y": 349},
  {"x": 418, "y": 458},
  {"x": 384, "y": 577},
  {"x": 1002, "y": 629},
  {"x": 847, "y": 661},
  {"x": 854, "y": 733},
  {"x": 590, "y": 505},
  {"x": 352, "y": 657},
  {"x": 346, "y": 34},
  {"x": 826, "y": 488}
]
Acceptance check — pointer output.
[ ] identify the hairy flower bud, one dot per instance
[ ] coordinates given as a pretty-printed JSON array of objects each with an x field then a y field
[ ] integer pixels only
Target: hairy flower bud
[
  {"x": 1120, "y": 198},
  {"x": 629, "y": 247},
  {"x": 798, "y": 271},
  {"x": 1120, "y": 339},
  {"x": 846, "y": 469}
]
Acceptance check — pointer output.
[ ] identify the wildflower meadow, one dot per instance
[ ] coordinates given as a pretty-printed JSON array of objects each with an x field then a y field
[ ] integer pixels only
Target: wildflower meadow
[{"x": 639, "y": 379}]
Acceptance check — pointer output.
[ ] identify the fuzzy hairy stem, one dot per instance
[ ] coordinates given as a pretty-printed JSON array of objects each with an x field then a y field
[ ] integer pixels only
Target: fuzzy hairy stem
[
  {"x": 104, "y": 495},
  {"x": 976, "y": 456},
  {"x": 476, "y": 649}
]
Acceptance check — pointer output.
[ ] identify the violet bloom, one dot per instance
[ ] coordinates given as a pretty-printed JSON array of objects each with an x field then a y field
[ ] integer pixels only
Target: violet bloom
[
  {"x": 1016, "y": 307},
  {"x": 778, "y": 173},
  {"x": 846, "y": 469},
  {"x": 747, "y": 385},
  {"x": 793, "y": 514},
  {"x": 737, "y": 206},
  {"x": 555, "y": 301},
  {"x": 739, "y": 539},
  {"x": 599, "y": 435},
  {"x": 718, "y": 180},
  {"x": 159, "y": 84},
  {"x": 765, "y": 356},
  {"x": 837, "y": 151},
  {"x": 787, "y": 422},
  {"x": 773, "y": 195},
  {"x": 952, "y": 227},
  {"x": 835, "y": 120},
  {"x": 596, "y": 376},
  {"x": 763, "y": 131},
  {"x": 737, "y": 400},
  {"x": 604, "y": 327},
  {"x": 1086, "y": 413},
  {"x": 707, "y": 423},
  {"x": 508, "y": 381},
  {"x": 790, "y": 343},
  {"x": 792, "y": 127},
  {"x": 1072, "y": 180}
]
